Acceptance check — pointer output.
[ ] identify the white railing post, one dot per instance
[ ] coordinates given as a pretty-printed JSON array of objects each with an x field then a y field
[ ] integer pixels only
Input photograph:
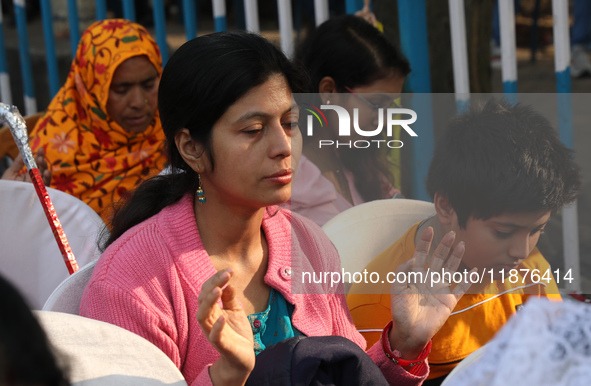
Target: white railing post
[
  {"x": 459, "y": 53},
  {"x": 219, "y": 15},
  {"x": 286, "y": 27},
  {"x": 508, "y": 55},
  {"x": 320, "y": 11},
  {"x": 570, "y": 226},
  {"x": 251, "y": 12},
  {"x": 5, "y": 91}
]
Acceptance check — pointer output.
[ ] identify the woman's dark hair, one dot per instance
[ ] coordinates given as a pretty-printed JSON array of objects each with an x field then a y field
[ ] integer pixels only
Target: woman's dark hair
[
  {"x": 203, "y": 78},
  {"x": 25, "y": 354},
  {"x": 353, "y": 53}
]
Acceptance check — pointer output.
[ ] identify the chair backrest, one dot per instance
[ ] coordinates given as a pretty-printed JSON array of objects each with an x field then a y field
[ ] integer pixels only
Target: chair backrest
[
  {"x": 362, "y": 232},
  {"x": 464, "y": 365},
  {"x": 7, "y": 145},
  {"x": 29, "y": 254},
  {"x": 68, "y": 294},
  {"x": 99, "y": 353}
]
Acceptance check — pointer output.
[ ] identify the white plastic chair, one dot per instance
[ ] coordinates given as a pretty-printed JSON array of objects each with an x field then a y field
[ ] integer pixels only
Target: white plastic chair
[
  {"x": 362, "y": 232},
  {"x": 99, "y": 353},
  {"x": 68, "y": 294},
  {"x": 29, "y": 254},
  {"x": 464, "y": 365}
]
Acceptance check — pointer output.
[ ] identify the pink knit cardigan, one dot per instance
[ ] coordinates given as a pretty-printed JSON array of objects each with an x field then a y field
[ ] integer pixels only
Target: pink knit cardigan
[{"x": 149, "y": 279}]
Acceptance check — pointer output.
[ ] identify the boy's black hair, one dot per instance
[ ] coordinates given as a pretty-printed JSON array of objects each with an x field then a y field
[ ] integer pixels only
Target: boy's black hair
[{"x": 502, "y": 158}]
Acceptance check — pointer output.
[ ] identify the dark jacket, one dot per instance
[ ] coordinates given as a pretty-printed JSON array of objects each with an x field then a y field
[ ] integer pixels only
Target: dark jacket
[{"x": 319, "y": 360}]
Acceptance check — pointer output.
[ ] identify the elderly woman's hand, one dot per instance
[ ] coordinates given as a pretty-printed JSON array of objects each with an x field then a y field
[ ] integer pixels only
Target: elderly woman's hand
[
  {"x": 227, "y": 329},
  {"x": 16, "y": 172}
]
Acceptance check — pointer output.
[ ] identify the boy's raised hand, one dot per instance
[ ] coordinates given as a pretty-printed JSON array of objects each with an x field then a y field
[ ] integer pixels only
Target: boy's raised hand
[{"x": 420, "y": 308}]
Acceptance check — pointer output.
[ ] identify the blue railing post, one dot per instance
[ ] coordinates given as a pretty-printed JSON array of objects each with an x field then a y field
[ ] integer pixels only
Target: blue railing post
[
  {"x": 219, "y": 15},
  {"x": 101, "y": 9},
  {"x": 50, "y": 55},
  {"x": 412, "y": 16},
  {"x": 352, "y": 6},
  {"x": 190, "y": 18},
  {"x": 160, "y": 23},
  {"x": 25, "y": 57},
  {"x": 74, "y": 25},
  {"x": 129, "y": 10},
  {"x": 5, "y": 91}
]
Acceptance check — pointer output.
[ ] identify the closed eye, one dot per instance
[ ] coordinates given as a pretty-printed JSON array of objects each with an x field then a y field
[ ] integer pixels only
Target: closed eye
[
  {"x": 253, "y": 129},
  {"x": 121, "y": 90},
  {"x": 503, "y": 235},
  {"x": 148, "y": 85}
]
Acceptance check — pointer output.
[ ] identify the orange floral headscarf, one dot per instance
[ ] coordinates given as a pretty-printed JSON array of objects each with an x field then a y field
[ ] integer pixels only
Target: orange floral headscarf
[{"x": 90, "y": 155}]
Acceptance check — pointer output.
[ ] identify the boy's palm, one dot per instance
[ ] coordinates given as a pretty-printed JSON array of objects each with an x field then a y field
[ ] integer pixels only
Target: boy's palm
[{"x": 419, "y": 307}]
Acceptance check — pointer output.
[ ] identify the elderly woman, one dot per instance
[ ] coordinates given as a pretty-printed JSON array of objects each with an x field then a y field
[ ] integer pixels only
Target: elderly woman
[{"x": 101, "y": 133}]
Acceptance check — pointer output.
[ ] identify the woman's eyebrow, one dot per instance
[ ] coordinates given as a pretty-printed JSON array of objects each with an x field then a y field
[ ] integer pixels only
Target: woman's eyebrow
[
  {"x": 149, "y": 78},
  {"x": 253, "y": 114}
]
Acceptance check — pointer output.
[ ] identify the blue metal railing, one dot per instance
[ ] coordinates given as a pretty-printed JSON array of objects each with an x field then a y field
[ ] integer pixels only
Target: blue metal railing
[
  {"x": 160, "y": 23},
  {"x": 25, "y": 57},
  {"x": 412, "y": 18},
  {"x": 413, "y": 32},
  {"x": 101, "y": 9},
  {"x": 50, "y": 55},
  {"x": 190, "y": 18},
  {"x": 129, "y": 10},
  {"x": 5, "y": 92},
  {"x": 74, "y": 23}
]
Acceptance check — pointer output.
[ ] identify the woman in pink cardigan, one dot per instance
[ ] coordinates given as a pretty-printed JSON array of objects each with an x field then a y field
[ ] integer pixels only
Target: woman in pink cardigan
[{"x": 205, "y": 265}]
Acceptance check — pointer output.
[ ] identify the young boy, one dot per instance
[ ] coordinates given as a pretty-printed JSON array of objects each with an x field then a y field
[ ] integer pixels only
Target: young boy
[{"x": 497, "y": 174}]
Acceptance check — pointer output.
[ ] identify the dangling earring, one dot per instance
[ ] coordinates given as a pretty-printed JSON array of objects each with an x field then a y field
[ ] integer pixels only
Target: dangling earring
[
  {"x": 327, "y": 101},
  {"x": 200, "y": 193}
]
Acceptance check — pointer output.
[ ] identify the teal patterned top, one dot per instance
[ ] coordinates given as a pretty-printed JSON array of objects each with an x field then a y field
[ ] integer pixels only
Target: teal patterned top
[{"x": 274, "y": 324}]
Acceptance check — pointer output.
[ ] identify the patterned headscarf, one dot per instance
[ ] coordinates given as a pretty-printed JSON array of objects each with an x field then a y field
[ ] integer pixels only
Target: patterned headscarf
[{"x": 90, "y": 155}]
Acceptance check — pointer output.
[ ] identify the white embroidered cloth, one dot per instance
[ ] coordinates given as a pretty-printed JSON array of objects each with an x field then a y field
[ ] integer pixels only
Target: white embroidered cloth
[{"x": 545, "y": 343}]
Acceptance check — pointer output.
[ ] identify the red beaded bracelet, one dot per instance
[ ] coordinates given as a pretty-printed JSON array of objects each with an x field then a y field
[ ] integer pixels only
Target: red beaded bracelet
[{"x": 395, "y": 355}]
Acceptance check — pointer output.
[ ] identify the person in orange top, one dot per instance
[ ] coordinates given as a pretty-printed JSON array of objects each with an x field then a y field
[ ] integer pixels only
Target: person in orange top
[
  {"x": 498, "y": 205},
  {"x": 101, "y": 133}
]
